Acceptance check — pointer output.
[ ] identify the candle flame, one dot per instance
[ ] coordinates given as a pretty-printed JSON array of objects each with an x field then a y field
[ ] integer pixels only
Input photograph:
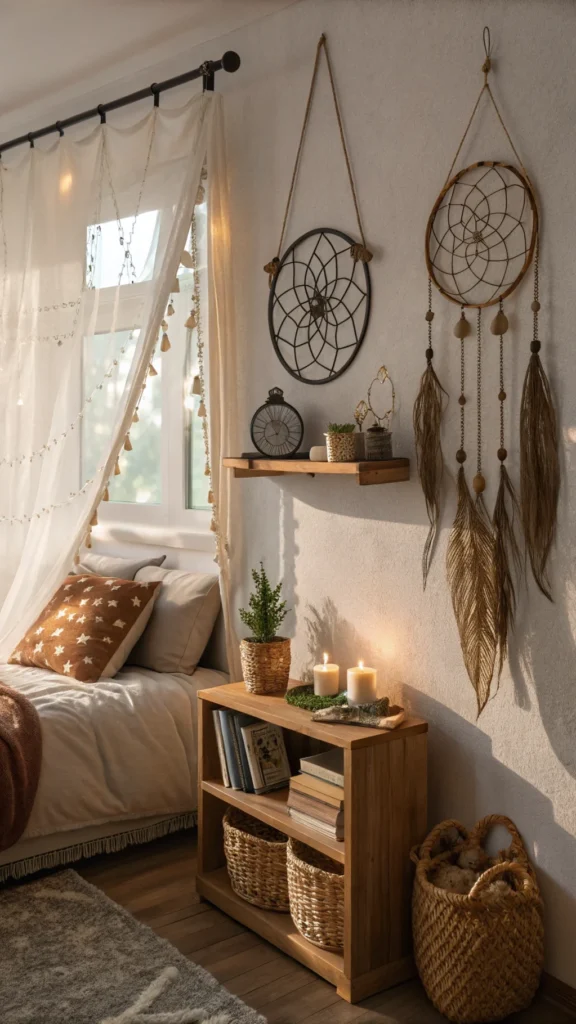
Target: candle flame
[
  {"x": 325, "y": 656},
  {"x": 360, "y": 664}
]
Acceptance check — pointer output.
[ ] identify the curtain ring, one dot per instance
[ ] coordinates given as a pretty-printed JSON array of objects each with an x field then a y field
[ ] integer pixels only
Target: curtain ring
[
  {"x": 487, "y": 41},
  {"x": 31, "y": 140},
  {"x": 60, "y": 128},
  {"x": 102, "y": 112},
  {"x": 156, "y": 93}
]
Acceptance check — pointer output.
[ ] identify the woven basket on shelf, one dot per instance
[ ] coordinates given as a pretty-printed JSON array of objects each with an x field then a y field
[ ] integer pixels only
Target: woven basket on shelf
[
  {"x": 265, "y": 667},
  {"x": 479, "y": 956},
  {"x": 316, "y": 890},
  {"x": 256, "y": 860}
]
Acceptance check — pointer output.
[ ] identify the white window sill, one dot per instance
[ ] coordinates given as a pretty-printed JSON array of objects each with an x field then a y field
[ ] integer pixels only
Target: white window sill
[{"x": 190, "y": 538}]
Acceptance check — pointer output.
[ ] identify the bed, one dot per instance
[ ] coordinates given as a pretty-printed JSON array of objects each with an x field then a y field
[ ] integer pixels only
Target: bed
[{"x": 118, "y": 762}]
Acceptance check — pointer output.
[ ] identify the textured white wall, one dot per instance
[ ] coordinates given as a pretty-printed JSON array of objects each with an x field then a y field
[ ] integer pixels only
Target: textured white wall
[{"x": 408, "y": 74}]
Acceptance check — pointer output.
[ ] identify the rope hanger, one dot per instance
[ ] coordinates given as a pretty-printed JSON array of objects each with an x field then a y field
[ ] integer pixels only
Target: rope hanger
[
  {"x": 358, "y": 252},
  {"x": 486, "y": 68}
]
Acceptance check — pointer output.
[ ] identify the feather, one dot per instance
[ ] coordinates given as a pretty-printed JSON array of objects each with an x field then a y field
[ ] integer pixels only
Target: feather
[
  {"x": 472, "y": 579},
  {"x": 507, "y": 561},
  {"x": 427, "y": 420},
  {"x": 539, "y": 469}
]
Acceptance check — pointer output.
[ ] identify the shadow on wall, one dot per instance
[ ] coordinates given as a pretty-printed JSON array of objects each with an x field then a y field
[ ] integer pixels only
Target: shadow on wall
[{"x": 466, "y": 781}]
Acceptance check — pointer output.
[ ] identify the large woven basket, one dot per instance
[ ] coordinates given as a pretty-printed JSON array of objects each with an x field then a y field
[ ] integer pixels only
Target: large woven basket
[
  {"x": 479, "y": 956},
  {"x": 256, "y": 860},
  {"x": 316, "y": 890},
  {"x": 265, "y": 667}
]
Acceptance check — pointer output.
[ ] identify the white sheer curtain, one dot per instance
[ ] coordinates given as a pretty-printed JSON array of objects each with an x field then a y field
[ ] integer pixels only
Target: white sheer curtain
[{"x": 55, "y": 454}]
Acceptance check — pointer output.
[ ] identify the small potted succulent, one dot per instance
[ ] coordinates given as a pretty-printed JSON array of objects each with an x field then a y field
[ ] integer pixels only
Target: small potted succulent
[
  {"x": 265, "y": 656},
  {"x": 341, "y": 442}
]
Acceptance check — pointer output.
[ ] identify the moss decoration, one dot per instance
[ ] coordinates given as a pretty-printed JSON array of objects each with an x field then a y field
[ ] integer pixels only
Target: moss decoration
[{"x": 305, "y": 698}]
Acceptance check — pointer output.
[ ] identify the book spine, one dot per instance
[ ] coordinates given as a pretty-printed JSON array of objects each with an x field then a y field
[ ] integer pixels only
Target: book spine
[
  {"x": 319, "y": 772},
  {"x": 314, "y": 808},
  {"x": 233, "y": 766},
  {"x": 221, "y": 752},
  {"x": 253, "y": 761},
  {"x": 247, "y": 784}
]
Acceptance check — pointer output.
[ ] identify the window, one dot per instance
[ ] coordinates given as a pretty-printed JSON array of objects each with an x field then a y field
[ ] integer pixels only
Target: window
[{"x": 162, "y": 479}]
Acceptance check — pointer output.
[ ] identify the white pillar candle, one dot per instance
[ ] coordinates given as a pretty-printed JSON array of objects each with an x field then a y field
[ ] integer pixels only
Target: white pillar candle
[
  {"x": 361, "y": 684},
  {"x": 326, "y": 679}
]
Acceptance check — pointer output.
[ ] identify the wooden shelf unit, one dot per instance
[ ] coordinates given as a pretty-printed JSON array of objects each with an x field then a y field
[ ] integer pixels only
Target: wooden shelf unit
[
  {"x": 384, "y": 816},
  {"x": 364, "y": 473}
]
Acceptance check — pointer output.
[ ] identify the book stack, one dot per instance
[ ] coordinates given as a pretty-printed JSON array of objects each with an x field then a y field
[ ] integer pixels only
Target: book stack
[
  {"x": 252, "y": 753},
  {"x": 316, "y": 797}
]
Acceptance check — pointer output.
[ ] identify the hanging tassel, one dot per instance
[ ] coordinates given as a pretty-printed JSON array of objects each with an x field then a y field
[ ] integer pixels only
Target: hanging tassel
[
  {"x": 165, "y": 343},
  {"x": 472, "y": 580},
  {"x": 213, "y": 525},
  {"x": 360, "y": 253},
  {"x": 164, "y": 325},
  {"x": 170, "y": 309},
  {"x": 207, "y": 469},
  {"x": 106, "y": 495},
  {"x": 201, "y": 409},
  {"x": 210, "y": 498},
  {"x": 94, "y": 520},
  {"x": 272, "y": 269},
  {"x": 135, "y": 418},
  {"x": 77, "y": 559},
  {"x": 196, "y": 386},
  {"x": 127, "y": 443},
  {"x": 88, "y": 541},
  {"x": 117, "y": 469},
  {"x": 539, "y": 463},
  {"x": 507, "y": 560},
  {"x": 191, "y": 321},
  {"x": 152, "y": 372},
  {"x": 427, "y": 419},
  {"x": 539, "y": 468}
]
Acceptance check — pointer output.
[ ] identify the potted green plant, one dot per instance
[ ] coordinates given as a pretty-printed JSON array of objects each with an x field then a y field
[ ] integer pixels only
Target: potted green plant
[
  {"x": 340, "y": 442},
  {"x": 265, "y": 656}
]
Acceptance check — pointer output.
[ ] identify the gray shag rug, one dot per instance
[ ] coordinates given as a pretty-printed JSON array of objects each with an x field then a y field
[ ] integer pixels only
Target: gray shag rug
[{"x": 69, "y": 955}]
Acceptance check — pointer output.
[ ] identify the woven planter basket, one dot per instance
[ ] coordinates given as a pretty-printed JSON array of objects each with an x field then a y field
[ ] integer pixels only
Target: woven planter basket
[
  {"x": 256, "y": 860},
  {"x": 479, "y": 956},
  {"x": 341, "y": 447},
  {"x": 316, "y": 890},
  {"x": 265, "y": 667}
]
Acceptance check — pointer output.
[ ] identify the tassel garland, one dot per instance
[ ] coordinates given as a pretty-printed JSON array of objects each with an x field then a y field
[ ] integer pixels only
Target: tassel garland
[
  {"x": 94, "y": 520},
  {"x": 191, "y": 321},
  {"x": 165, "y": 343},
  {"x": 127, "y": 443},
  {"x": 152, "y": 372},
  {"x": 106, "y": 495},
  {"x": 117, "y": 469},
  {"x": 201, "y": 409}
]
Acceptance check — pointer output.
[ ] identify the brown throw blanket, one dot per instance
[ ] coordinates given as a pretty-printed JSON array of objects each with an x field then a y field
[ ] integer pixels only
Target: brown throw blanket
[{"x": 20, "y": 759}]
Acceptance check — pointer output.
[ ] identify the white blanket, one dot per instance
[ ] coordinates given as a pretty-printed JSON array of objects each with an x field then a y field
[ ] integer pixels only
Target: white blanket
[{"x": 118, "y": 749}]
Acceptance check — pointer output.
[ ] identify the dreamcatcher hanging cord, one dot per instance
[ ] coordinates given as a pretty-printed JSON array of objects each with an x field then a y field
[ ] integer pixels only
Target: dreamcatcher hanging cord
[
  {"x": 365, "y": 256},
  {"x": 486, "y": 67}
]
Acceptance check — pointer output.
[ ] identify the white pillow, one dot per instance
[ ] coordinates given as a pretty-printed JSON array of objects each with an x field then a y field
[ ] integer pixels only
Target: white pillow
[
  {"x": 181, "y": 622},
  {"x": 112, "y": 565}
]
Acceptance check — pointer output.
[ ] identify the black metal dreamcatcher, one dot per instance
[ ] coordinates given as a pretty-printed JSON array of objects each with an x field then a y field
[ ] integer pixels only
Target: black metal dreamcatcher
[
  {"x": 481, "y": 238},
  {"x": 320, "y": 292},
  {"x": 319, "y": 306}
]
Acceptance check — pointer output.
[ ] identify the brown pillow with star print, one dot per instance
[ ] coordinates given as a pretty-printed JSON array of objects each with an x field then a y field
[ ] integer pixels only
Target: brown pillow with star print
[{"x": 89, "y": 627}]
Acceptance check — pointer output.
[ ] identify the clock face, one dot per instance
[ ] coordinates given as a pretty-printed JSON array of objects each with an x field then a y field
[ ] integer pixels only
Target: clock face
[{"x": 277, "y": 430}]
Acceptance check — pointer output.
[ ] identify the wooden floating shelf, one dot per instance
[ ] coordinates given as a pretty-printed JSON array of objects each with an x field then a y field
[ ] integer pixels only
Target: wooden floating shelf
[{"x": 365, "y": 473}]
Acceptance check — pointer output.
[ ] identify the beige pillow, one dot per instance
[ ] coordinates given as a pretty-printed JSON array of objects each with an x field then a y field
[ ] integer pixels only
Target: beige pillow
[
  {"x": 88, "y": 628},
  {"x": 182, "y": 620},
  {"x": 112, "y": 565}
]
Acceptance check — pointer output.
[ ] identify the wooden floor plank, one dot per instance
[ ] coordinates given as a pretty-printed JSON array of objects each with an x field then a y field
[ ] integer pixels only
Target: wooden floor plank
[{"x": 156, "y": 882}]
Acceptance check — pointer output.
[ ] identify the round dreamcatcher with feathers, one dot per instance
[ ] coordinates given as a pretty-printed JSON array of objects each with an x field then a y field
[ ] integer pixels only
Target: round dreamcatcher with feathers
[{"x": 482, "y": 237}]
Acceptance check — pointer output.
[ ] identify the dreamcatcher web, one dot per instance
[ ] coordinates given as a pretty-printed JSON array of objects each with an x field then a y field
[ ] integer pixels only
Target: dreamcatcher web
[
  {"x": 319, "y": 306},
  {"x": 481, "y": 234}
]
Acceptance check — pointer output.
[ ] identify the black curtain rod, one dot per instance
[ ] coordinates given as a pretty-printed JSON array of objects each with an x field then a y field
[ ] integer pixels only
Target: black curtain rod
[{"x": 229, "y": 62}]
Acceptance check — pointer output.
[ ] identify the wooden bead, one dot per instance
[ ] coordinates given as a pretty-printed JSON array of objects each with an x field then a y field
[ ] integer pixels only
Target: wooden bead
[
  {"x": 429, "y": 354},
  {"x": 430, "y": 316},
  {"x": 502, "y": 454},
  {"x": 535, "y": 306},
  {"x": 462, "y": 328},
  {"x": 501, "y": 396},
  {"x": 460, "y": 456},
  {"x": 462, "y": 400},
  {"x": 535, "y": 345},
  {"x": 499, "y": 324},
  {"x": 478, "y": 483}
]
